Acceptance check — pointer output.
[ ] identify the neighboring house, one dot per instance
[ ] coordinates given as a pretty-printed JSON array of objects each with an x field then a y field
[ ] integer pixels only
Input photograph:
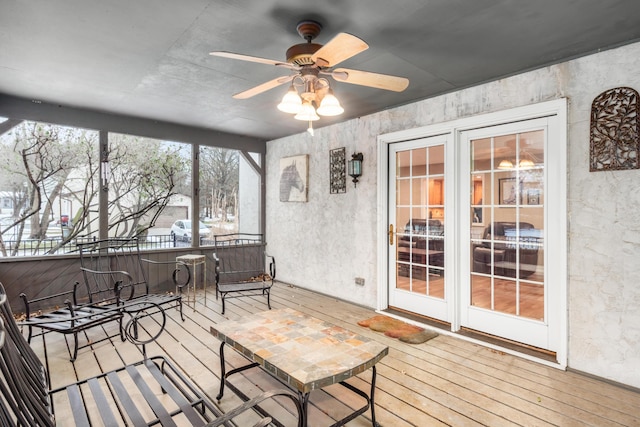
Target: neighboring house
[
  {"x": 179, "y": 207},
  {"x": 6, "y": 203}
]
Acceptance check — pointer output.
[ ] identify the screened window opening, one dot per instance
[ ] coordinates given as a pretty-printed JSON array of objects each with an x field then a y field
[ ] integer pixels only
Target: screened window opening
[{"x": 53, "y": 181}]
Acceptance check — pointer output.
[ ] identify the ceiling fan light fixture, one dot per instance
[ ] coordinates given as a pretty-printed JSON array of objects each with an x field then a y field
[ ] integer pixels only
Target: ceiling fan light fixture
[
  {"x": 307, "y": 113},
  {"x": 291, "y": 102},
  {"x": 308, "y": 63},
  {"x": 330, "y": 106}
]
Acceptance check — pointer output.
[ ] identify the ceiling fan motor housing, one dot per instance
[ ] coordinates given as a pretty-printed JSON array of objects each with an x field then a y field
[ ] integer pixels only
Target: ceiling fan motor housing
[{"x": 300, "y": 54}]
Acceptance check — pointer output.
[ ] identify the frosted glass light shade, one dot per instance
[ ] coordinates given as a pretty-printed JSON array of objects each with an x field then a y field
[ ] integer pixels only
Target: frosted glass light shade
[
  {"x": 291, "y": 102},
  {"x": 307, "y": 113},
  {"x": 330, "y": 106}
]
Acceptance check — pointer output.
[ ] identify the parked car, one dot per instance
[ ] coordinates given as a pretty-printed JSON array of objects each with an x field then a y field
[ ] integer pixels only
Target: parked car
[{"x": 181, "y": 230}]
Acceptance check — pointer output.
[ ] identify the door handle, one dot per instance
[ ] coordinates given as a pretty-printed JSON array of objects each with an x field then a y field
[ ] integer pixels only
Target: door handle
[{"x": 390, "y": 234}]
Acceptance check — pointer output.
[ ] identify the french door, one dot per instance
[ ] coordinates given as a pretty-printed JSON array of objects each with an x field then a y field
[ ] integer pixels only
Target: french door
[
  {"x": 417, "y": 249},
  {"x": 476, "y": 230},
  {"x": 505, "y": 289}
]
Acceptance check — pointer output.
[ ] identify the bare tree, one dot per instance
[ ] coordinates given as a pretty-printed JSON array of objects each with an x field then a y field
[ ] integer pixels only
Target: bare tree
[
  {"x": 219, "y": 177},
  {"x": 38, "y": 158},
  {"x": 144, "y": 175},
  {"x": 44, "y": 164}
]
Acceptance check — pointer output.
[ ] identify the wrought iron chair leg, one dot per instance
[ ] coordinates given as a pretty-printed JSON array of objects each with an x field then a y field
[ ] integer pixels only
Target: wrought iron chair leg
[
  {"x": 75, "y": 347},
  {"x": 180, "y": 304},
  {"x": 122, "y": 331}
]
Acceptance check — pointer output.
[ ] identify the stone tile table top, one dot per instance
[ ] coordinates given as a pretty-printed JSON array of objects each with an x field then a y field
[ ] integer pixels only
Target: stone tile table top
[{"x": 302, "y": 351}]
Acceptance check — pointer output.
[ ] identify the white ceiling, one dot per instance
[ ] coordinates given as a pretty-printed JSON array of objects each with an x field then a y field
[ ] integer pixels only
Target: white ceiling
[{"x": 149, "y": 58}]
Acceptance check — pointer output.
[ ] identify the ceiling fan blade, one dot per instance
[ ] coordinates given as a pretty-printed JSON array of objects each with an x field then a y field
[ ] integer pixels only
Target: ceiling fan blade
[
  {"x": 342, "y": 46},
  {"x": 263, "y": 87},
  {"x": 257, "y": 59},
  {"x": 365, "y": 78}
]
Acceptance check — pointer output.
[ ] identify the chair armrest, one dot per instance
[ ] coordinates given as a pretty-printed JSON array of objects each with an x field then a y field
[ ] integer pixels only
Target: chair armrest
[
  {"x": 119, "y": 284},
  {"x": 139, "y": 311},
  {"x": 48, "y": 297},
  {"x": 124, "y": 273},
  {"x": 27, "y": 302},
  {"x": 272, "y": 266},
  {"x": 73, "y": 315},
  {"x": 228, "y": 416},
  {"x": 216, "y": 268},
  {"x": 150, "y": 261}
]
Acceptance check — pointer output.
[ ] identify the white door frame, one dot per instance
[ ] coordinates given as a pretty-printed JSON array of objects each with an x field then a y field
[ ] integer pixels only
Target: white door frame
[
  {"x": 557, "y": 175},
  {"x": 441, "y": 306}
]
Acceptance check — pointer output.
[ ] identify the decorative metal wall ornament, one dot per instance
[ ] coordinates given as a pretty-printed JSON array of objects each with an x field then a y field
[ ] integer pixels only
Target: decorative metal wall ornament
[
  {"x": 337, "y": 175},
  {"x": 615, "y": 130}
]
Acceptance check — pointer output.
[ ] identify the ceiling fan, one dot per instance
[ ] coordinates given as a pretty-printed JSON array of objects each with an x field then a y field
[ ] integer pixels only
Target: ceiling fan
[{"x": 309, "y": 63}]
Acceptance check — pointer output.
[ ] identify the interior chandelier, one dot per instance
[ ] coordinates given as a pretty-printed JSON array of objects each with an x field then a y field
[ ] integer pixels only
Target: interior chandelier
[
  {"x": 315, "y": 90},
  {"x": 523, "y": 164}
]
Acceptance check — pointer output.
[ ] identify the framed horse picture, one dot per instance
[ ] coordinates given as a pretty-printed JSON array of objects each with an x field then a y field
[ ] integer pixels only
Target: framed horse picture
[{"x": 294, "y": 178}]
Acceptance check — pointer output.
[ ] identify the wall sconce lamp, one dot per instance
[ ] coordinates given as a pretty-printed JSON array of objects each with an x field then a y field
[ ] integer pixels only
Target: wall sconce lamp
[{"x": 354, "y": 167}]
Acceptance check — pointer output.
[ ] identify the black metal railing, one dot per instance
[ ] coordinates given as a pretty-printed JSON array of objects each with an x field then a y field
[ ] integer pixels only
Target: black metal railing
[{"x": 54, "y": 246}]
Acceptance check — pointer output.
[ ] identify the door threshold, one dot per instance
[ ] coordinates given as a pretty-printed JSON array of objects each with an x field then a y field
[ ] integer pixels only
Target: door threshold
[
  {"x": 529, "y": 350},
  {"x": 429, "y": 321},
  {"x": 490, "y": 340}
]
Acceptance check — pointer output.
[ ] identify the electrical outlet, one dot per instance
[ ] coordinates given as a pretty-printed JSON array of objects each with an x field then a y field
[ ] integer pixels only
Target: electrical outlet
[{"x": 360, "y": 281}]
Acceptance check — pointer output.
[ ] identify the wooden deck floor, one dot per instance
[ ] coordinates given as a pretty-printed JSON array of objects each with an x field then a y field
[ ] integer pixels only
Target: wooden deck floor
[{"x": 445, "y": 381}]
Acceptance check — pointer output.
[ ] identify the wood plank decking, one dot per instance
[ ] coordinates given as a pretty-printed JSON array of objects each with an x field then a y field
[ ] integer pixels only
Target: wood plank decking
[{"x": 445, "y": 381}]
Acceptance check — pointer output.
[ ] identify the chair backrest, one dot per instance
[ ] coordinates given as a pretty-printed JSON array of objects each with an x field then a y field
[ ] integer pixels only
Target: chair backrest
[
  {"x": 241, "y": 255},
  {"x": 103, "y": 263},
  {"x": 24, "y": 399}
]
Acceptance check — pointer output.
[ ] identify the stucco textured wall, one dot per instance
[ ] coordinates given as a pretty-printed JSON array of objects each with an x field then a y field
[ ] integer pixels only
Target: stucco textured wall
[{"x": 325, "y": 243}]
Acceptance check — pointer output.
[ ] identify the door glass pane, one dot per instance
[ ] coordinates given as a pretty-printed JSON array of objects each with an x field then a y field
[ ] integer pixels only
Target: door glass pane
[
  {"x": 420, "y": 221},
  {"x": 507, "y": 224},
  {"x": 403, "y": 164},
  {"x": 418, "y": 162}
]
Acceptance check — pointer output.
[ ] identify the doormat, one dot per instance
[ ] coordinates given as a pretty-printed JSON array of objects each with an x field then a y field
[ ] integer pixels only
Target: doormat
[{"x": 395, "y": 328}]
